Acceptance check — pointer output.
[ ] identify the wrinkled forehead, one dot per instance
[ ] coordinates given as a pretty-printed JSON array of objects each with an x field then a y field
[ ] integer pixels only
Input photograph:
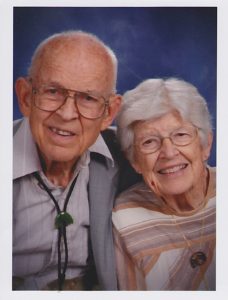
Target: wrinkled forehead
[
  {"x": 71, "y": 45},
  {"x": 75, "y": 61}
]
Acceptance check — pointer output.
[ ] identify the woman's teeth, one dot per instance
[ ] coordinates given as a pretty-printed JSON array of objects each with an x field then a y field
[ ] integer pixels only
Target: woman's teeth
[{"x": 173, "y": 169}]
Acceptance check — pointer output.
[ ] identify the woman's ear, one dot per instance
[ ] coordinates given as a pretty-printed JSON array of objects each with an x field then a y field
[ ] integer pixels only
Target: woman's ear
[
  {"x": 24, "y": 95},
  {"x": 114, "y": 107},
  {"x": 207, "y": 147},
  {"x": 136, "y": 167}
]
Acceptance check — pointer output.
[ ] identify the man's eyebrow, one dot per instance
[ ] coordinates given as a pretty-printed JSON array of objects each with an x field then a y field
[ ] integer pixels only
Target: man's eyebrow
[
  {"x": 92, "y": 93},
  {"x": 87, "y": 91},
  {"x": 54, "y": 83}
]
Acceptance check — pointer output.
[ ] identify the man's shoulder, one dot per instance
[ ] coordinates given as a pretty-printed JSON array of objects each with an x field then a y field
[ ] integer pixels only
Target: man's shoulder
[
  {"x": 109, "y": 136},
  {"x": 127, "y": 175},
  {"x": 16, "y": 125},
  {"x": 136, "y": 193}
]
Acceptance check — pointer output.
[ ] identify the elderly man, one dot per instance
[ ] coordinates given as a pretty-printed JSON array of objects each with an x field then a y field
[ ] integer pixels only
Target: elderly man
[{"x": 65, "y": 177}]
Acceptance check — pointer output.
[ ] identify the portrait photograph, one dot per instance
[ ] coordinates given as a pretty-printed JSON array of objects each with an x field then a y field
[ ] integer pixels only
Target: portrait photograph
[{"x": 114, "y": 123}]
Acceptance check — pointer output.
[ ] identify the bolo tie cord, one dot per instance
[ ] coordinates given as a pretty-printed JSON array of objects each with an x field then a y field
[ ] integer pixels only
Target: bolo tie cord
[{"x": 62, "y": 220}]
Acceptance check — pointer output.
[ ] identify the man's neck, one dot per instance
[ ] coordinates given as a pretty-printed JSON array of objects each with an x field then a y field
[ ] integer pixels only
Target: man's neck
[{"x": 59, "y": 173}]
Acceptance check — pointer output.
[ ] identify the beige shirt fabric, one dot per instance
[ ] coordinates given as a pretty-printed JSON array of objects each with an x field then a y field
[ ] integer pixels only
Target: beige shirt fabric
[
  {"x": 34, "y": 234},
  {"x": 151, "y": 249}
]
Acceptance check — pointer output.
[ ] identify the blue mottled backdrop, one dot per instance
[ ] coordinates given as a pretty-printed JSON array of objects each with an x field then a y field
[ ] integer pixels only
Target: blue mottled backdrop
[{"x": 148, "y": 41}]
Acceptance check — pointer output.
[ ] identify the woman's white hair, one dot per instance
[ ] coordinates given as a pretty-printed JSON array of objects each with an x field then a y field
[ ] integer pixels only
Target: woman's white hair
[{"x": 154, "y": 98}]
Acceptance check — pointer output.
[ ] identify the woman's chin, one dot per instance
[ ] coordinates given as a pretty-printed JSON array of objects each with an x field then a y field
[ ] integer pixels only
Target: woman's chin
[{"x": 171, "y": 190}]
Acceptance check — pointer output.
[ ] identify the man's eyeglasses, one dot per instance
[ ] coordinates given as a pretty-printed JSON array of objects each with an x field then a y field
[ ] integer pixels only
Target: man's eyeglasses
[
  {"x": 182, "y": 136},
  {"x": 50, "y": 98}
]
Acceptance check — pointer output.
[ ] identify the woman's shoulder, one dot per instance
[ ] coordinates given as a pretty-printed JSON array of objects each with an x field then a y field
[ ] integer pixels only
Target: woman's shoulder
[
  {"x": 136, "y": 205},
  {"x": 135, "y": 196},
  {"x": 211, "y": 192}
]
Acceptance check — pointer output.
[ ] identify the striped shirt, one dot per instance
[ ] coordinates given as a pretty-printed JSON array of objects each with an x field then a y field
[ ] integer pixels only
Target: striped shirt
[
  {"x": 35, "y": 255},
  {"x": 154, "y": 247}
]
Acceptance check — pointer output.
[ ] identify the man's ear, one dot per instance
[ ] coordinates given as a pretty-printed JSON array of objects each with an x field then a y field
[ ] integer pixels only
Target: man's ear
[
  {"x": 114, "y": 107},
  {"x": 24, "y": 96},
  {"x": 207, "y": 148}
]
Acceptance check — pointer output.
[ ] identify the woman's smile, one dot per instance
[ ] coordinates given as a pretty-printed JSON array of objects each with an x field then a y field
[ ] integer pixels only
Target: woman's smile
[{"x": 173, "y": 170}]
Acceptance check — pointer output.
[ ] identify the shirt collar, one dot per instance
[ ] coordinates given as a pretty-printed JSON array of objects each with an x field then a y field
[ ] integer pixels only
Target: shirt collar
[
  {"x": 25, "y": 156},
  {"x": 101, "y": 147}
]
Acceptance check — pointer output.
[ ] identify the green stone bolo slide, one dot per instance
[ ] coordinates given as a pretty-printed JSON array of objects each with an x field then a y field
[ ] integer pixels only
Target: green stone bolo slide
[{"x": 63, "y": 219}]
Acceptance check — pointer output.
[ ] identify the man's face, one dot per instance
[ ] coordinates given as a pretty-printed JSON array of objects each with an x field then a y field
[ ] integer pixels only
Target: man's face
[{"x": 63, "y": 135}]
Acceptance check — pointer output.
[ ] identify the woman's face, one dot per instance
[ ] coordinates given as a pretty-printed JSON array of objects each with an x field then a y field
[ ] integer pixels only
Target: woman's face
[{"x": 171, "y": 170}]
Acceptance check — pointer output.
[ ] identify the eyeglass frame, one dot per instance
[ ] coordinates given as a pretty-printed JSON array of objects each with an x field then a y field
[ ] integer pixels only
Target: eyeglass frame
[
  {"x": 196, "y": 131},
  {"x": 36, "y": 90}
]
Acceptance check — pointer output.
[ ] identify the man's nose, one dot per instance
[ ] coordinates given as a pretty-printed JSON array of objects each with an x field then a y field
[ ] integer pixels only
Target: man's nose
[
  {"x": 68, "y": 110},
  {"x": 168, "y": 149}
]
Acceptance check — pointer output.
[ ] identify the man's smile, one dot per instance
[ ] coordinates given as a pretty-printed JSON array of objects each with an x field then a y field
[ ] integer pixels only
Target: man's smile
[{"x": 61, "y": 131}]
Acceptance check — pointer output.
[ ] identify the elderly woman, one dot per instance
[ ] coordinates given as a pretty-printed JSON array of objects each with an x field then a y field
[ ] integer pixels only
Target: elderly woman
[{"x": 164, "y": 226}]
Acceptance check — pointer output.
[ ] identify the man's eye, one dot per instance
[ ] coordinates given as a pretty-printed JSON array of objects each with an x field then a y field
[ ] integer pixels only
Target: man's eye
[
  {"x": 52, "y": 90},
  {"x": 54, "y": 93},
  {"x": 90, "y": 98}
]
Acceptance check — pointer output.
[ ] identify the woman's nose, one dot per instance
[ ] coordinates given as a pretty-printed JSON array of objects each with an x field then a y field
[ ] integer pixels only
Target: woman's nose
[{"x": 168, "y": 149}]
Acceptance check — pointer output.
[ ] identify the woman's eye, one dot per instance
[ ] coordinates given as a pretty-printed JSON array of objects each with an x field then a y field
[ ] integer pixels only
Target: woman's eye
[
  {"x": 149, "y": 142},
  {"x": 182, "y": 134}
]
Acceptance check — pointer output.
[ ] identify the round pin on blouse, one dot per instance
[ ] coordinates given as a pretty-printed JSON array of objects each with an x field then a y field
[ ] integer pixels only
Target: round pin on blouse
[{"x": 198, "y": 259}]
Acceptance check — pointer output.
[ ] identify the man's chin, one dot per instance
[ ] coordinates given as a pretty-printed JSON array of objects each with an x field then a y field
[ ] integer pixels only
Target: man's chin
[{"x": 60, "y": 156}]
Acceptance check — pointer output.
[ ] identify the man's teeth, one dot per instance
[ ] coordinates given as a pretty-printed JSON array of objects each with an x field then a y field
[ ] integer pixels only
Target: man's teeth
[
  {"x": 61, "y": 132},
  {"x": 173, "y": 169}
]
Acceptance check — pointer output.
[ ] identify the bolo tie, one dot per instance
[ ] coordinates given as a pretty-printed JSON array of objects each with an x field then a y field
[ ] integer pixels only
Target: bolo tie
[{"x": 62, "y": 220}]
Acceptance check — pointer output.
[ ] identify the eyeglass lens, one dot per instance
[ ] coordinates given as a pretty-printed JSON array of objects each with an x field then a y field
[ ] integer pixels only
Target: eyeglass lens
[
  {"x": 51, "y": 98},
  {"x": 180, "y": 137}
]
